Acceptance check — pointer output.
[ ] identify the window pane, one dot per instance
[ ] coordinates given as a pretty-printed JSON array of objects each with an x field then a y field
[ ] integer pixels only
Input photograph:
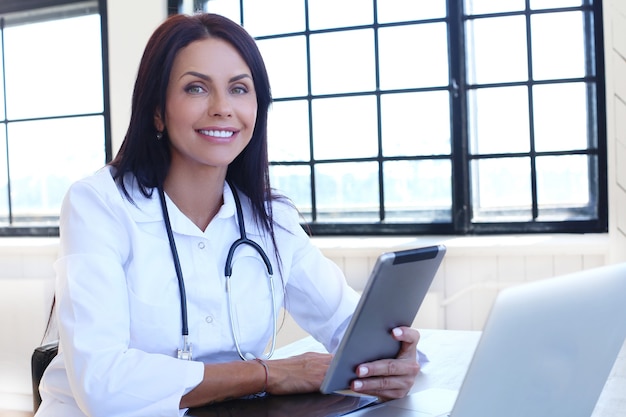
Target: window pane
[
  {"x": 227, "y": 8},
  {"x": 490, "y": 6},
  {"x": 69, "y": 150},
  {"x": 549, "y": 4},
  {"x": 288, "y": 131},
  {"x": 558, "y": 53},
  {"x": 560, "y": 116},
  {"x": 429, "y": 116},
  {"x": 497, "y": 50},
  {"x": 324, "y": 14},
  {"x": 404, "y": 10},
  {"x": 286, "y": 80},
  {"x": 61, "y": 74},
  {"x": 413, "y": 56},
  {"x": 294, "y": 181},
  {"x": 563, "y": 183},
  {"x": 343, "y": 62},
  {"x": 418, "y": 191},
  {"x": 501, "y": 190},
  {"x": 498, "y": 120},
  {"x": 259, "y": 22},
  {"x": 345, "y": 127},
  {"x": 347, "y": 192}
]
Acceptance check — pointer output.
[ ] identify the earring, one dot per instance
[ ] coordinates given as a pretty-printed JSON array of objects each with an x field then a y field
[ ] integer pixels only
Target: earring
[{"x": 159, "y": 135}]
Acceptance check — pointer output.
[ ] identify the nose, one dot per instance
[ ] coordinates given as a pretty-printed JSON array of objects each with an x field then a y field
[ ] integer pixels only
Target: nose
[{"x": 220, "y": 105}]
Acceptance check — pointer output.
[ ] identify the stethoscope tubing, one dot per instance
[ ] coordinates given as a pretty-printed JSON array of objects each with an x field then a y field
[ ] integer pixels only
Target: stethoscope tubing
[
  {"x": 228, "y": 270},
  {"x": 185, "y": 352},
  {"x": 179, "y": 272}
]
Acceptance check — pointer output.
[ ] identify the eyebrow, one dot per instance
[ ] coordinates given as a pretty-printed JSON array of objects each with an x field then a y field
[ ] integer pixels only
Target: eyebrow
[{"x": 207, "y": 78}]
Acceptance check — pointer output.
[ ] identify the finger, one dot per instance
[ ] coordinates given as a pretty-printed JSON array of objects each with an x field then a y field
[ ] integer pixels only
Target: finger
[
  {"x": 389, "y": 367},
  {"x": 383, "y": 387},
  {"x": 386, "y": 379},
  {"x": 409, "y": 338},
  {"x": 406, "y": 334}
]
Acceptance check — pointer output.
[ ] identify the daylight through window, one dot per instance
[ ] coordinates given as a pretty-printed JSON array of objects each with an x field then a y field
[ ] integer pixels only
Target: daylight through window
[{"x": 52, "y": 115}]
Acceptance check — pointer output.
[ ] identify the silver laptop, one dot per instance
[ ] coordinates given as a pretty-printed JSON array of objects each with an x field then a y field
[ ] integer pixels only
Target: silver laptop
[{"x": 546, "y": 350}]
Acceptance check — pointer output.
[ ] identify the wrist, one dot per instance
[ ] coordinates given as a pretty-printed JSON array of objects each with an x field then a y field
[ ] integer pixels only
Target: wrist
[{"x": 265, "y": 378}]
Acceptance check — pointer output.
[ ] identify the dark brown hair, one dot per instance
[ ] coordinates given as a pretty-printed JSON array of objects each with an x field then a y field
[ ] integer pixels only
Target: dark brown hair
[{"x": 148, "y": 159}]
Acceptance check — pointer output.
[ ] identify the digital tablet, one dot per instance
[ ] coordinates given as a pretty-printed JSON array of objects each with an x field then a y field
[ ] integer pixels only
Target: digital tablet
[{"x": 393, "y": 294}]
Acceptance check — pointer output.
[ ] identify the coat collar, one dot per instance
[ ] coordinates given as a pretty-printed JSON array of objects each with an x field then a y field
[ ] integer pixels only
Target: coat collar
[{"x": 148, "y": 209}]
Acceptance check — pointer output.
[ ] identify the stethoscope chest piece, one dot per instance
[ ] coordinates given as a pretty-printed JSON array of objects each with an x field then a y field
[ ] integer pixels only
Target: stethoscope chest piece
[{"x": 186, "y": 352}]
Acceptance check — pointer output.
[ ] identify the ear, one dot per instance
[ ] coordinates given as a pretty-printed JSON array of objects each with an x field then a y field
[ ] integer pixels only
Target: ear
[{"x": 158, "y": 121}]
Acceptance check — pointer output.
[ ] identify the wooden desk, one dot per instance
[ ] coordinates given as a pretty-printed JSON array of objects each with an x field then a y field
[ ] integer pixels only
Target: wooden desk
[{"x": 449, "y": 353}]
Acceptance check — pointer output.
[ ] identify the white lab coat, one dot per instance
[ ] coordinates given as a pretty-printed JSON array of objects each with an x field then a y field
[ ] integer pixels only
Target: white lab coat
[{"x": 118, "y": 306}]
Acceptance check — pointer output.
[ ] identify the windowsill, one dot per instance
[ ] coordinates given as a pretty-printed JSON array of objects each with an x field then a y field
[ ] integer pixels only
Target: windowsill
[
  {"x": 29, "y": 245},
  {"x": 592, "y": 244}
]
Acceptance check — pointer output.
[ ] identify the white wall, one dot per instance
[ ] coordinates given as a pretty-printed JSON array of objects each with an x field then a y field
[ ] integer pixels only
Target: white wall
[
  {"x": 26, "y": 285},
  {"x": 130, "y": 25},
  {"x": 473, "y": 271},
  {"x": 615, "y": 59}
]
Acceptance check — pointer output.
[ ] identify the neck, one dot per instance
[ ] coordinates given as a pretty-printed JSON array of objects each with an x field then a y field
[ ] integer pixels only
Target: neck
[{"x": 199, "y": 197}]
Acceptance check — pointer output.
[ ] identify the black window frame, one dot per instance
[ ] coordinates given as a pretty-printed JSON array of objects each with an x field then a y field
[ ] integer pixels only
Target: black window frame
[
  {"x": 458, "y": 89},
  {"x": 596, "y": 67},
  {"x": 18, "y": 6}
]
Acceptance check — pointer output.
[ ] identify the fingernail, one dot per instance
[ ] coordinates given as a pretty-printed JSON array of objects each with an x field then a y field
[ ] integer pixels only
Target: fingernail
[
  {"x": 358, "y": 385},
  {"x": 363, "y": 371},
  {"x": 397, "y": 331}
]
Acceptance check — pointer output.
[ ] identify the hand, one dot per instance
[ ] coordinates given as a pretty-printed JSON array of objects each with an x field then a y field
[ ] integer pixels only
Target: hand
[
  {"x": 298, "y": 374},
  {"x": 391, "y": 378}
]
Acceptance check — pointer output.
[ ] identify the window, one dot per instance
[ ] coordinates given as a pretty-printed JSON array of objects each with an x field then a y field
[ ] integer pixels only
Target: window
[
  {"x": 412, "y": 117},
  {"x": 53, "y": 118}
]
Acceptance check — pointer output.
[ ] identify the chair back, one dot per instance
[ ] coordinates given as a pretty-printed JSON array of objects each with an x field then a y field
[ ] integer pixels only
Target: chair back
[{"x": 42, "y": 356}]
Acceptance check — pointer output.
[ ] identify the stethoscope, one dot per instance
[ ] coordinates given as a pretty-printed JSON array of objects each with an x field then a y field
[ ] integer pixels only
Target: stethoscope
[{"x": 186, "y": 351}]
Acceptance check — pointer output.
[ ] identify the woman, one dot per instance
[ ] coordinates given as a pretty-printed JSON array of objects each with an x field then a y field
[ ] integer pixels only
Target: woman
[{"x": 164, "y": 212}]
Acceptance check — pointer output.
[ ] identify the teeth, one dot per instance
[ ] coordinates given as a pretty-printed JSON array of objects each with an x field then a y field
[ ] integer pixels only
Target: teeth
[{"x": 217, "y": 133}]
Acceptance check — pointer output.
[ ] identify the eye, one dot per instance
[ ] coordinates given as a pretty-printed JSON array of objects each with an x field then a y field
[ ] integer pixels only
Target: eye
[
  {"x": 195, "y": 89},
  {"x": 239, "y": 89}
]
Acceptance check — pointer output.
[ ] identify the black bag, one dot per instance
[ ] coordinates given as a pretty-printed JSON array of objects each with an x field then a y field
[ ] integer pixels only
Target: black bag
[{"x": 42, "y": 356}]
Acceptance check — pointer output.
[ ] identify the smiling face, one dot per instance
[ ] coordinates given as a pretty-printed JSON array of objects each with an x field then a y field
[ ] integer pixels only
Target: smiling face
[{"x": 211, "y": 106}]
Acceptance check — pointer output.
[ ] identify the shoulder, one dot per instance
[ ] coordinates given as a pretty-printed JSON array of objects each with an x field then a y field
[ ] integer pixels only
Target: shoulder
[
  {"x": 93, "y": 216},
  {"x": 104, "y": 184},
  {"x": 100, "y": 183},
  {"x": 101, "y": 191},
  {"x": 285, "y": 214}
]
